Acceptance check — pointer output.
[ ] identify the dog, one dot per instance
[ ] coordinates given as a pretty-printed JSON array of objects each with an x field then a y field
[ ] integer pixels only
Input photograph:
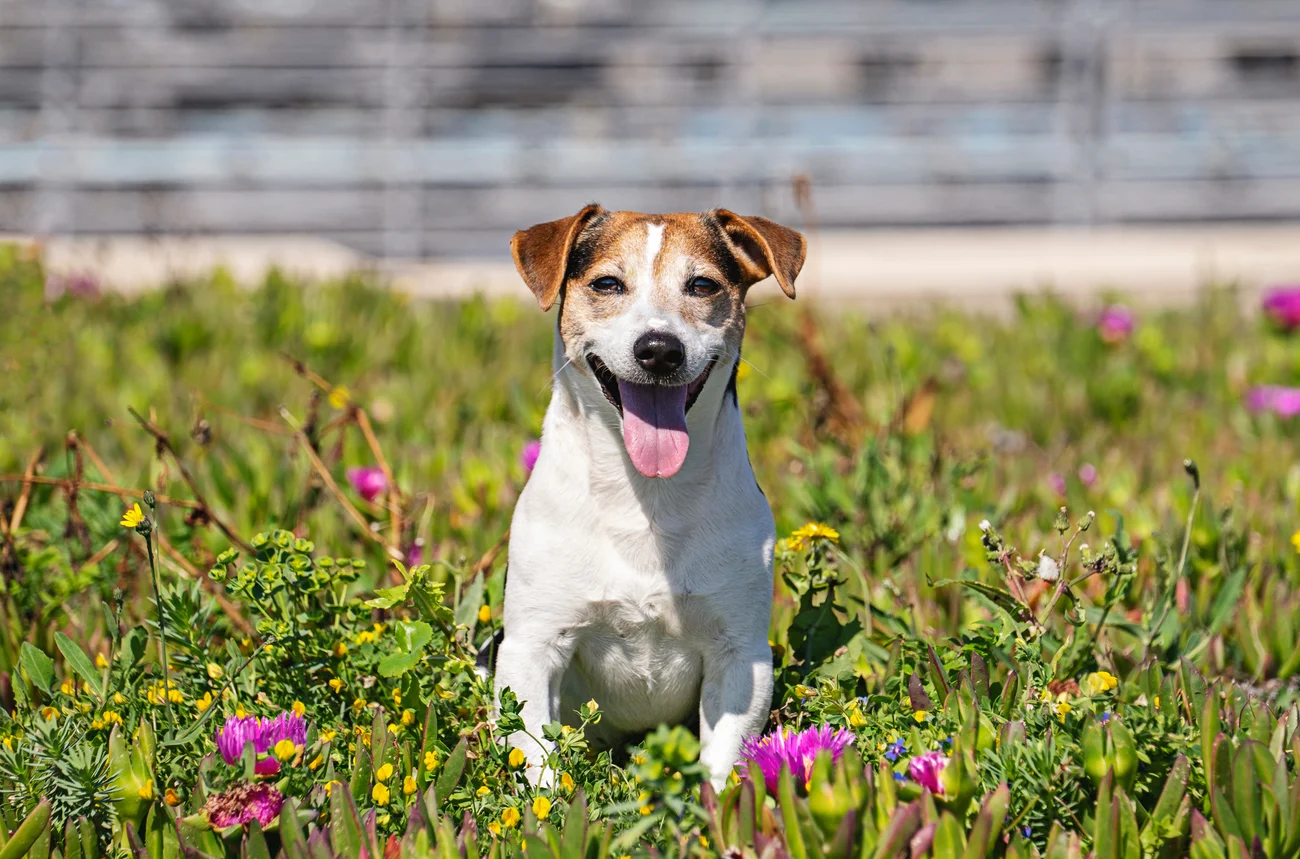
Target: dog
[{"x": 640, "y": 554}]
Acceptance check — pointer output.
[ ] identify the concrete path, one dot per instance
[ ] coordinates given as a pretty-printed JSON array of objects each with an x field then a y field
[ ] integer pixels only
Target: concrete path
[{"x": 883, "y": 269}]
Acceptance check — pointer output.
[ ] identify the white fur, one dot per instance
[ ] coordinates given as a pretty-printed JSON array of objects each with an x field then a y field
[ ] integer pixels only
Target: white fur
[{"x": 652, "y": 596}]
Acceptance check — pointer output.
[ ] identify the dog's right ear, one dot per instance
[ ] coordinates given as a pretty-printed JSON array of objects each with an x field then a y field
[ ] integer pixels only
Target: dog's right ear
[{"x": 542, "y": 253}]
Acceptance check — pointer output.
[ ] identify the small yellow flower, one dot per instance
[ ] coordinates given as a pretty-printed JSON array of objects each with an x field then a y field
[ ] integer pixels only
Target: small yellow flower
[
  {"x": 920, "y": 716},
  {"x": 202, "y": 704},
  {"x": 1295, "y": 540},
  {"x": 566, "y": 782},
  {"x": 299, "y": 709},
  {"x": 327, "y": 736},
  {"x": 316, "y": 763},
  {"x": 111, "y": 717},
  {"x": 592, "y": 706},
  {"x": 68, "y": 687},
  {"x": 408, "y": 718},
  {"x": 430, "y": 760},
  {"x": 50, "y": 713},
  {"x": 394, "y": 729},
  {"x": 510, "y": 817},
  {"x": 484, "y": 614},
  {"x": 340, "y": 649},
  {"x": 171, "y": 798},
  {"x": 856, "y": 719},
  {"x": 494, "y": 828},
  {"x": 1099, "y": 682},
  {"x": 516, "y": 758},
  {"x": 541, "y": 807},
  {"x": 175, "y": 696},
  {"x": 119, "y": 698},
  {"x": 339, "y": 397},
  {"x": 358, "y": 704},
  {"x": 704, "y": 842},
  {"x": 285, "y": 751},
  {"x": 240, "y": 712},
  {"x": 379, "y": 794},
  {"x": 384, "y": 773},
  {"x": 132, "y": 517},
  {"x": 379, "y": 628},
  {"x": 811, "y": 533},
  {"x": 409, "y": 786},
  {"x": 336, "y": 684},
  {"x": 329, "y": 788},
  {"x": 483, "y": 790},
  {"x": 802, "y": 691},
  {"x": 1063, "y": 709},
  {"x": 146, "y": 789},
  {"x": 215, "y": 671},
  {"x": 1157, "y": 702},
  {"x": 365, "y": 637},
  {"x": 101, "y": 661}
]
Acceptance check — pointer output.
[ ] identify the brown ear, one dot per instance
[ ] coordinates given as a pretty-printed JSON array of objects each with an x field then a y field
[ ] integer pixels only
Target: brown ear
[
  {"x": 542, "y": 253},
  {"x": 765, "y": 247}
]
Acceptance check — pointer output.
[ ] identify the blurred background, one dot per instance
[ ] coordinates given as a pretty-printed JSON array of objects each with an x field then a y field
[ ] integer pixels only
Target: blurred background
[{"x": 404, "y": 130}]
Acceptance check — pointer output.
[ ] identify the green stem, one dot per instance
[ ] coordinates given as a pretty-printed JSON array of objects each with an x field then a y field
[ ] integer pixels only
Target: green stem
[
  {"x": 1178, "y": 574},
  {"x": 162, "y": 633}
]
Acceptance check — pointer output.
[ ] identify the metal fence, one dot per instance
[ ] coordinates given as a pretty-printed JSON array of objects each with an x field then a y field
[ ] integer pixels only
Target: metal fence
[{"x": 411, "y": 128}]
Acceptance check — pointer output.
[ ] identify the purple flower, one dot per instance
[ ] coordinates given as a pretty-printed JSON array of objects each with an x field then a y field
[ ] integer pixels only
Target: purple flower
[
  {"x": 1105, "y": 717},
  {"x": 528, "y": 457},
  {"x": 242, "y": 803},
  {"x": 77, "y": 285},
  {"x": 925, "y": 770},
  {"x": 1057, "y": 481},
  {"x": 415, "y": 554},
  {"x": 1115, "y": 323},
  {"x": 1282, "y": 305},
  {"x": 895, "y": 750},
  {"x": 1087, "y": 474},
  {"x": 1281, "y": 401},
  {"x": 793, "y": 750},
  {"x": 368, "y": 482},
  {"x": 263, "y": 734}
]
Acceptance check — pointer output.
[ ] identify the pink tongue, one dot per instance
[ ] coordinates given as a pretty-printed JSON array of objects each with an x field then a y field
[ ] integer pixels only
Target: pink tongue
[{"x": 654, "y": 427}]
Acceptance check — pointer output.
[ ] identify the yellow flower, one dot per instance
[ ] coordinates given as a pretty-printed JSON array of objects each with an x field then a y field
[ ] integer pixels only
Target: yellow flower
[
  {"x": 339, "y": 397},
  {"x": 329, "y": 788},
  {"x": 340, "y": 649},
  {"x": 394, "y": 729},
  {"x": 175, "y": 696},
  {"x": 327, "y": 736},
  {"x": 1157, "y": 702},
  {"x": 50, "y": 713},
  {"x": 516, "y": 758},
  {"x": 704, "y": 842},
  {"x": 920, "y": 715},
  {"x": 215, "y": 671},
  {"x": 101, "y": 661},
  {"x": 408, "y": 718},
  {"x": 68, "y": 687},
  {"x": 482, "y": 790},
  {"x": 240, "y": 712},
  {"x": 542, "y": 807},
  {"x": 202, "y": 704},
  {"x": 111, "y": 716},
  {"x": 146, "y": 789},
  {"x": 1295, "y": 540},
  {"x": 409, "y": 786},
  {"x": 494, "y": 828},
  {"x": 484, "y": 614},
  {"x": 358, "y": 704},
  {"x": 1099, "y": 682},
  {"x": 802, "y": 691},
  {"x": 1062, "y": 709},
  {"x": 171, "y": 798},
  {"x": 316, "y": 763},
  {"x": 397, "y": 697},
  {"x": 365, "y": 637},
  {"x": 336, "y": 684},
  {"x": 566, "y": 782},
  {"x": 299, "y": 709},
  {"x": 856, "y": 719},
  {"x": 811, "y": 533},
  {"x": 430, "y": 760},
  {"x": 132, "y": 517},
  {"x": 119, "y": 698},
  {"x": 285, "y": 751},
  {"x": 379, "y": 794},
  {"x": 510, "y": 817},
  {"x": 384, "y": 773}
]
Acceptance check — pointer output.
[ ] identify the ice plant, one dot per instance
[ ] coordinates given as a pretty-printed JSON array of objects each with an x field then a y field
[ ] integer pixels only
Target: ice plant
[
  {"x": 368, "y": 482},
  {"x": 795, "y": 750},
  {"x": 263, "y": 734},
  {"x": 528, "y": 458},
  {"x": 1282, "y": 305},
  {"x": 926, "y": 769},
  {"x": 1281, "y": 401},
  {"x": 1115, "y": 323},
  {"x": 242, "y": 803}
]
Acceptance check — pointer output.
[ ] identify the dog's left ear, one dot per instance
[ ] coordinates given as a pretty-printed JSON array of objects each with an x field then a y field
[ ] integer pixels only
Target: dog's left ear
[
  {"x": 542, "y": 253},
  {"x": 765, "y": 247}
]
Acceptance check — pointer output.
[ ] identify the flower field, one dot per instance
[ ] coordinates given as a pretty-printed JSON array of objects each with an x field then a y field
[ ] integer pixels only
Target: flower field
[{"x": 1038, "y": 583}]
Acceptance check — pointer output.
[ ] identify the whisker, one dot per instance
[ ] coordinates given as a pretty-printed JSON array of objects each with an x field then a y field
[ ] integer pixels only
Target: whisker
[{"x": 556, "y": 374}]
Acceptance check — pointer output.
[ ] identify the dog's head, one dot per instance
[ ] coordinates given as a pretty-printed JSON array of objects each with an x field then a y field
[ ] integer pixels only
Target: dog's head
[{"x": 650, "y": 304}]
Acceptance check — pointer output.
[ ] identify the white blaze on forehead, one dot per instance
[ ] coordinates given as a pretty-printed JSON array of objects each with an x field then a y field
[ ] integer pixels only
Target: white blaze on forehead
[{"x": 654, "y": 242}]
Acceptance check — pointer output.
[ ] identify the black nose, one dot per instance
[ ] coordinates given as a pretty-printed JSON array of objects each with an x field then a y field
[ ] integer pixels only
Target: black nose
[{"x": 659, "y": 353}]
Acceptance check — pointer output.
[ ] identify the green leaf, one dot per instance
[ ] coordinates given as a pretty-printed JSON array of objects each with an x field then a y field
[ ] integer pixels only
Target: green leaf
[
  {"x": 80, "y": 663},
  {"x": 451, "y": 770},
  {"x": 411, "y": 637},
  {"x": 388, "y": 597},
  {"x": 39, "y": 667},
  {"x": 25, "y": 836}
]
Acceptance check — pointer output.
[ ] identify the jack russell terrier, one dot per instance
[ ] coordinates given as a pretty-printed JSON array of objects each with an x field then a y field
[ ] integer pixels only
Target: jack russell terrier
[{"x": 640, "y": 570}]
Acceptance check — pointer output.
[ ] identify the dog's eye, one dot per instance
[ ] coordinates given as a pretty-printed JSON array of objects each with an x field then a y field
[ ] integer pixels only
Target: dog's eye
[
  {"x": 607, "y": 285},
  {"x": 703, "y": 286}
]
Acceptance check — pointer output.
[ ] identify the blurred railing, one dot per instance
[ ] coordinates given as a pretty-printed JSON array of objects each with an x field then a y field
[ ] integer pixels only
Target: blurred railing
[{"x": 434, "y": 127}]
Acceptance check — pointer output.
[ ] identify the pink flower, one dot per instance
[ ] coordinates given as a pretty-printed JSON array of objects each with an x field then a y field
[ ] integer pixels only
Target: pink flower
[
  {"x": 1281, "y": 401},
  {"x": 1115, "y": 323},
  {"x": 242, "y": 803},
  {"x": 1282, "y": 305},
  {"x": 415, "y": 554},
  {"x": 1057, "y": 481},
  {"x": 368, "y": 482},
  {"x": 1087, "y": 474},
  {"x": 263, "y": 734},
  {"x": 528, "y": 458},
  {"x": 795, "y": 750},
  {"x": 925, "y": 770}
]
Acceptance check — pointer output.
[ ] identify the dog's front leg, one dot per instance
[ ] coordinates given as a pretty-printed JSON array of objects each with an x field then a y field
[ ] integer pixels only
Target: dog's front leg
[
  {"x": 735, "y": 698},
  {"x": 532, "y": 664}
]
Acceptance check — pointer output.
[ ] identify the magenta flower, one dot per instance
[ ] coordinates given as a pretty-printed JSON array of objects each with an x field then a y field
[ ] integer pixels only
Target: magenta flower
[
  {"x": 1057, "y": 481},
  {"x": 242, "y": 803},
  {"x": 1282, "y": 305},
  {"x": 1115, "y": 323},
  {"x": 415, "y": 554},
  {"x": 1278, "y": 399},
  {"x": 368, "y": 482},
  {"x": 263, "y": 734},
  {"x": 795, "y": 750},
  {"x": 1087, "y": 474},
  {"x": 925, "y": 770},
  {"x": 528, "y": 458}
]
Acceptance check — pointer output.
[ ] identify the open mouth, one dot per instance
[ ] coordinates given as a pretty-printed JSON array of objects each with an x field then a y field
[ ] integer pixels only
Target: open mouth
[{"x": 654, "y": 418}]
